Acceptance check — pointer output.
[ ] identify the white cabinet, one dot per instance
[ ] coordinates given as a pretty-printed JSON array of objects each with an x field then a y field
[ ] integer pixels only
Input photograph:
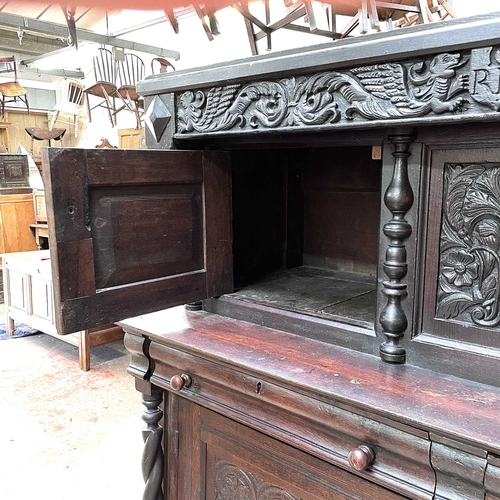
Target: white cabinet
[{"x": 29, "y": 299}]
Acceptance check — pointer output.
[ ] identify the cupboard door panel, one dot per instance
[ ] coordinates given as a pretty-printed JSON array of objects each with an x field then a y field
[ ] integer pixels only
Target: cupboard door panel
[
  {"x": 461, "y": 298},
  {"x": 132, "y": 232},
  {"x": 123, "y": 219},
  {"x": 225, "y": 459}
]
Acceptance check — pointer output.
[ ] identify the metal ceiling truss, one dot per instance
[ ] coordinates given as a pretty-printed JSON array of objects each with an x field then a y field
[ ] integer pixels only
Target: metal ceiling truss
[
  {"x": 32, "y": 45},
  {"x": 63, "y": 73},
  {"x": 55, "y": 30}
]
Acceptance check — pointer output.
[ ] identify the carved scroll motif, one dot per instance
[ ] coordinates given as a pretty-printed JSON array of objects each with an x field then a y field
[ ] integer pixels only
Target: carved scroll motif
[
  {"x": 469, "y": 262},
  {"x": 377, "y": 92},
  {"x": 290, "y": 102},
  {"x": 233, "y": 483}
]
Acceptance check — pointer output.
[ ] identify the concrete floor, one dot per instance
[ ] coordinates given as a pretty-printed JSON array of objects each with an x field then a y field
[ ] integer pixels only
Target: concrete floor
[{"x": 65, "y": 433}]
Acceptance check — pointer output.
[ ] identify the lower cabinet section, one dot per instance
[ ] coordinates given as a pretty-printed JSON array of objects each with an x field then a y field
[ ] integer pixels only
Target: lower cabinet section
[
  {"x": 212, "y": 457},
  {"x": 246, "y": 418}
]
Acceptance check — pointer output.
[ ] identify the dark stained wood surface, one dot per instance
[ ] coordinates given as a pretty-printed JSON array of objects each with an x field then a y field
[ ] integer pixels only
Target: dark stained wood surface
[
  {"x": 324, "y": 293},
  {"x": 135, "y": 231},
  {"x": 421, "y": 398},
  {"x": 459, "y": 474},
  {"x": 259, "y": 212},
  {"x": 218, "y": 233},
  {"x": 342, "y": 208},
  {"x": 124, "y": 218},
  {"x": 492, "y": 479}
]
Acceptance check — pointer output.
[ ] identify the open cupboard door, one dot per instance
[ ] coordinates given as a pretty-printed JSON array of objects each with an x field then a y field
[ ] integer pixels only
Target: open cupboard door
[{"x": 135, "y": 231}]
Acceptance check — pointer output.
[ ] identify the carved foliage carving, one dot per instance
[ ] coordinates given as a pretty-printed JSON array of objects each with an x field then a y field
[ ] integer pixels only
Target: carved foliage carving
[
  {"x": 469, "y": 267},
  {"x": 233, "y": 483},
  {"x": 375, "y": 92}
]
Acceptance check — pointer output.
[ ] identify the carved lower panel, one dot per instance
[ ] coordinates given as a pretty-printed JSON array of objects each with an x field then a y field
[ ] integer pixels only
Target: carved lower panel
[
  {"x": 233, "y": 483},
  {"x": 469, "y": 261},
  {"x": 465, "y": 83}
]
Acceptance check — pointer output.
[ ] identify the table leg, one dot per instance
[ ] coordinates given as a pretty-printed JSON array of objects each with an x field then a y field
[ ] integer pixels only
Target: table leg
[
  {"x": 9, "y": 324},
  {"x": 84, "y": 350}
]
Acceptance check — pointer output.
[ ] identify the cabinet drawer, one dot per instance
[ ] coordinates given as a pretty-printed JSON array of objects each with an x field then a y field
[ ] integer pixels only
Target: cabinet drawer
[{"x": 326, "y": 429}]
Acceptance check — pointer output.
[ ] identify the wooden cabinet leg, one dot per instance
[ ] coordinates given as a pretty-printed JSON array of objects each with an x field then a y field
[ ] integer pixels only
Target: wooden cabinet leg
[
  {"x": 84, "y": 350},
  {"x": 152, "y": 458}
]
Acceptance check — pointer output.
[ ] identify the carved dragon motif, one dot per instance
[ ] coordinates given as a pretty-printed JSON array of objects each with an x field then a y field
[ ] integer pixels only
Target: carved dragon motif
[
  {"x": 375, "y": 92},
  {"x": 390, "y": 91}
]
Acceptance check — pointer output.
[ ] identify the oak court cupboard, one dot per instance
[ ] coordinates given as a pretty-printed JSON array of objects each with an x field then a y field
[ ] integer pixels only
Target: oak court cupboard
[{"x": 341, "y": 335}]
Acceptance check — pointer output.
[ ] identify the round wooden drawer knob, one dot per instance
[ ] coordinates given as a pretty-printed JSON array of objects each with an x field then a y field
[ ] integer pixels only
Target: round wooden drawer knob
[
  {"x": 361, "y": 458},
  {"x": 178, "y": 382}
]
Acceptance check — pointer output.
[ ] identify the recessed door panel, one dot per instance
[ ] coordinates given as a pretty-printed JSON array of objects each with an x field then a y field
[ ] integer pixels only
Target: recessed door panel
[{"x": 135, "y": 231}]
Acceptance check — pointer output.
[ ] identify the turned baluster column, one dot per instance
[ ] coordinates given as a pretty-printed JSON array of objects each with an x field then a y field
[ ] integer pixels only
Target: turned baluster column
[
  {"x": 398, "y": 199},
  {"x": 152, "y": 458}
]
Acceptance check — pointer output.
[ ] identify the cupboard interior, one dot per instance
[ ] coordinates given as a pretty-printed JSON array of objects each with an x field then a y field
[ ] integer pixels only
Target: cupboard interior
[{"x": 305, "y": 231}]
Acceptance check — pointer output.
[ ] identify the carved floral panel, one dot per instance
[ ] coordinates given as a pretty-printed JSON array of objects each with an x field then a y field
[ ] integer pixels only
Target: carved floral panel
[
  {"x": 233, "y": 483},
  {"x": 443, "y": 84},
  {"x": 469, "y": 262}
]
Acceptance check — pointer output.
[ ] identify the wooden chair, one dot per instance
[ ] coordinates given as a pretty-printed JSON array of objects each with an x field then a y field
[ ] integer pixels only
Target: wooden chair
[
  {"x": 69, "y": 100},
  {"x": 322, "y": 17},
  {"x": 161, "y": 65},
  {"x": 131, "y": 71},
  {"x": 105, "y": 72},
  {"x": 11, "y": 91},
  {"x": 105, "y": 144},
  {"x": 44, "y": 134}
]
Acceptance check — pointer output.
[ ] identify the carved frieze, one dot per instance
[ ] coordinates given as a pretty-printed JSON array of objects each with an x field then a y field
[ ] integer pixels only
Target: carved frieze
[
  {"x": 469, "y": 267},
  {"x": 485, "y": 77},
  {"x": 447, "y": 84},
  {"x": 233, "y": 483}
]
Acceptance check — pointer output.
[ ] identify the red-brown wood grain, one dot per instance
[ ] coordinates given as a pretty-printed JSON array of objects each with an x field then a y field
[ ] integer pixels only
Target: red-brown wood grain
[{"x": 451, "y": 406}]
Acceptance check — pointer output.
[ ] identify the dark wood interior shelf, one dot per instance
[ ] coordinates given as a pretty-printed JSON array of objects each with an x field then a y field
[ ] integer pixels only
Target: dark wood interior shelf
[{"x": 334, "y": 295}]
